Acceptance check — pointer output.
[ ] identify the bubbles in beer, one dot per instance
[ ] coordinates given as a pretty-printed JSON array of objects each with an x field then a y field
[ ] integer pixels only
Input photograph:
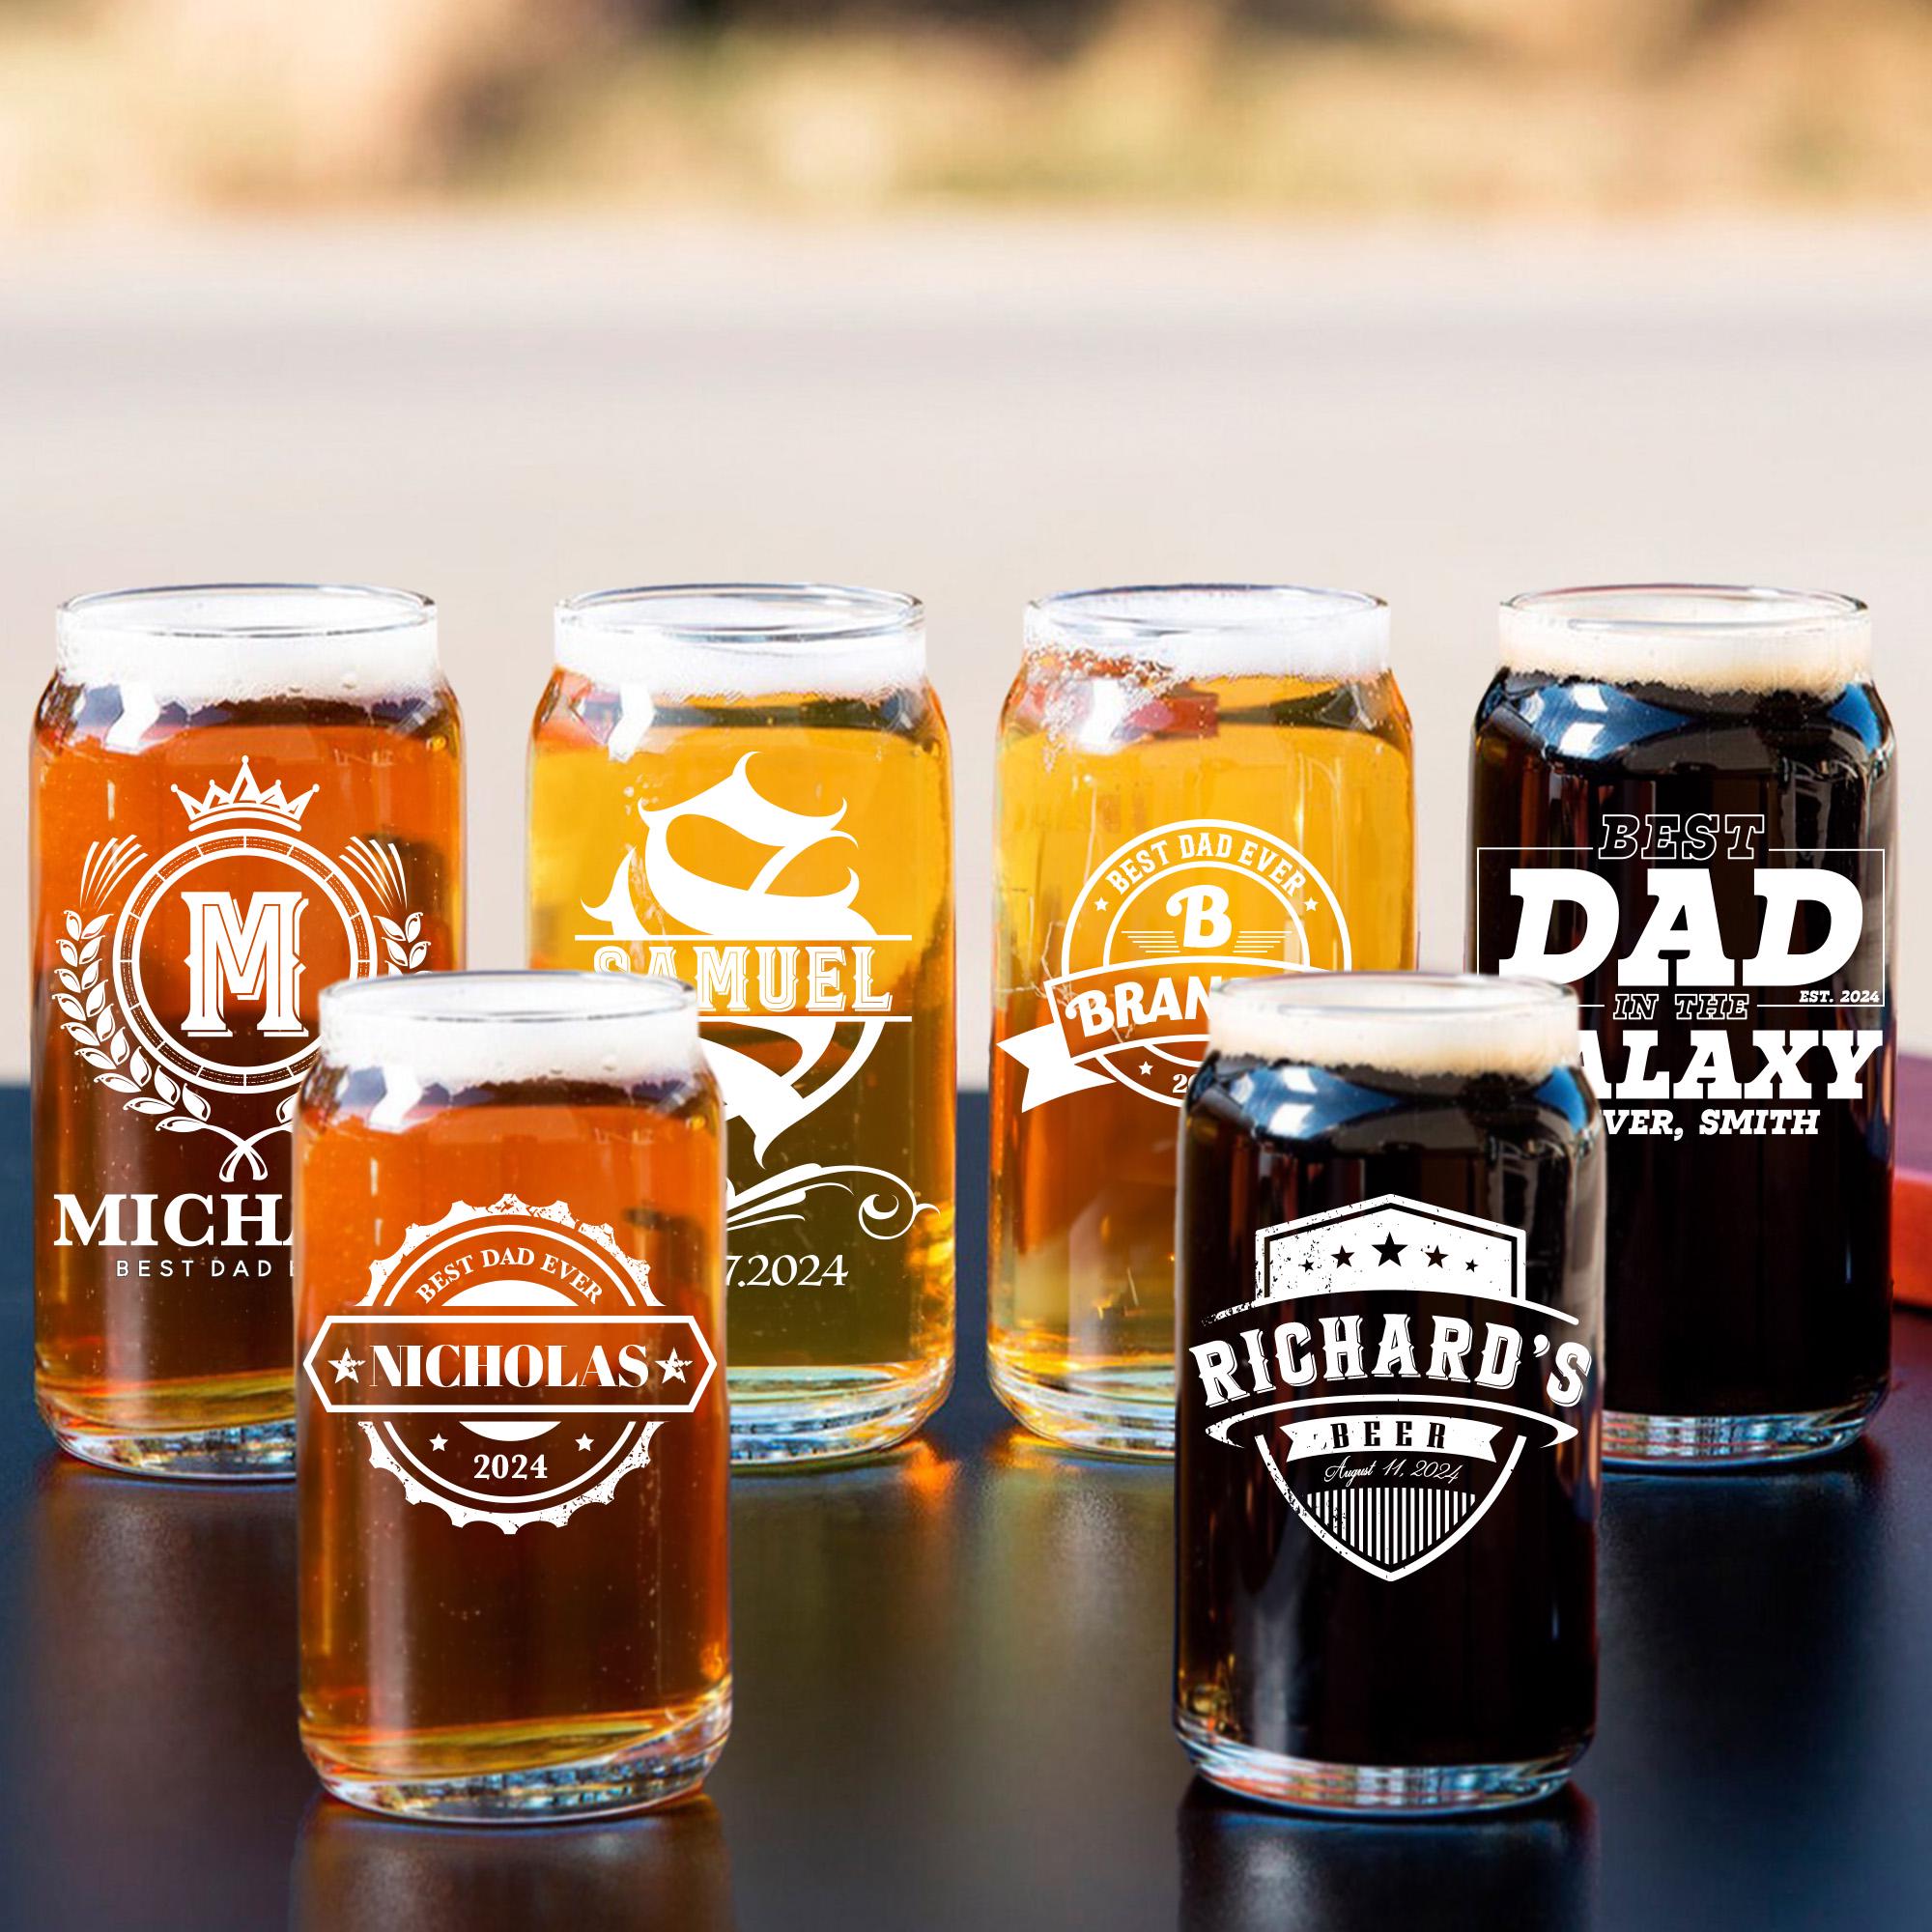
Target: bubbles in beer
[
  {"x": 1193, "y": 631},
  {"x": 1460, "y": 1025},
  {"x": 686, "y": 642},
  {"x": 231, "y": 643},
  {"x": 1690, "y": 636},
  {"x": 517, "y": 1027}
]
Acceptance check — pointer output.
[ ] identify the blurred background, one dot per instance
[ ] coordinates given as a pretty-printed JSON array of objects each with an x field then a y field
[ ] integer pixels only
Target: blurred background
[{"x": 506, "y": 298}]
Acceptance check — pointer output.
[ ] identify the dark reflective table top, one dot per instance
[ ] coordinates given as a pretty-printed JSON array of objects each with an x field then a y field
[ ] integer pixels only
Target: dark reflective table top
[{"x": 953, "y": 1673}]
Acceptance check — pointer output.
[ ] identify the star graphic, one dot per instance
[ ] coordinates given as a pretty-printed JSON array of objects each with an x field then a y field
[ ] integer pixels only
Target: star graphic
[
  {"x": 1470, "y": 1265},
  {"x": 672, "y": 1367},
  {"x": 345, "y": 1366},
  {"x": 1390, "y": 1250},
  {"x": 584, "y": 1442},
  {"x": 438, "y": 1442},
  {"x": 1435, "y": 1257},
  {"x": 1312, "y": 905},
  {"x": 1343, "y": 1258},
  {"x": 1099, "y": 906},
  {"x": 1307, "y": 1262},
  {"x": 1145, "y": 1067}
]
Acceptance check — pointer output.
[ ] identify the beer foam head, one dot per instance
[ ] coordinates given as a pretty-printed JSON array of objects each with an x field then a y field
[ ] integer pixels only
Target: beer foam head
[
  {"x": 1219, "y": 630},
  {"x": 679, "y": 641},
  {"x": 1691, "y": 637},
  {"x": 207, "y": 643},
  {"x": 1460, "y": 1024},
  {"x": 459, "y": 1029}
]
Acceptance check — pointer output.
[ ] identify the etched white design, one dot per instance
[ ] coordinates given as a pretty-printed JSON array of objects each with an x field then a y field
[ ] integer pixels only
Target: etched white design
[
  {"x": 888, "y": 1209},
  {"x": 831, "y": 1049},
  {"x": 239, "y": 952},
  {"x": 1150, "y": 933},
  {"x": 1379, "y": 1375},
  {"x": 635, "y": 1432},
  {"x": 461, "y": 1513}
]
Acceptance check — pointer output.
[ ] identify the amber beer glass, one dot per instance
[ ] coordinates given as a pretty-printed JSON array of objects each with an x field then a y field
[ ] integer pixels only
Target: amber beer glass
[
  {"x": 747, "y": 786},
  {"x": 512, "y": 1434},
  {"x": 1390, "y": 1291},
  {"x": 239, "y": 793},
  {"x": 1196, "y": 783},
  {"x": 1683, "y": 802}
]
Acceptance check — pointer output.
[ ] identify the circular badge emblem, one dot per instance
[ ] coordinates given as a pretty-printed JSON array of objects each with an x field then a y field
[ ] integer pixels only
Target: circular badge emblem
[
  {"x": 182, "y": 981},
  {"x": 1167, "y": 916},
  {"x": 510, "y": 1365},
  {"x": 226, "y": 929}
]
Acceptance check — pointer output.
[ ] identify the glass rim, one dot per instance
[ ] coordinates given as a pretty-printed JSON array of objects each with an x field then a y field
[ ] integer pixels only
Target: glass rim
[
  {"x": 849, "y": 617},
  {"x": 1748, "y": 610},
  {"x": 138, "y": 612},
  {"x": 1464, "y": 1026},
  {"x": 1128, "y": 613},
  {"x": 1349, "y": 997},
  {"x": 509, "y": 997}
]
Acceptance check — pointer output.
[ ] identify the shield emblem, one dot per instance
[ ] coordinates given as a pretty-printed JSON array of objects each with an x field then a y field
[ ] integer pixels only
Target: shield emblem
[
  {"x": 1387, "y": 1513},
  {"x": 1398, "y": 1344}
]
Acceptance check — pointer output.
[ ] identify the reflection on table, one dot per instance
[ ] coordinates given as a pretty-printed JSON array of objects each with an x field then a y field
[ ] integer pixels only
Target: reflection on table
[
  {"x": 357, "y": 1873},
  {"x": 160, "y": 1672},
  {"x": 1246, "y": 1869},
  {"x": 1757, "y": 1601}
]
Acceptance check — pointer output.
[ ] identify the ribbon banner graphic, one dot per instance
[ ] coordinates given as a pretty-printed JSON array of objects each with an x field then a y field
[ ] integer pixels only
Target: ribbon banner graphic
[{"x": 1159, "y": 924}]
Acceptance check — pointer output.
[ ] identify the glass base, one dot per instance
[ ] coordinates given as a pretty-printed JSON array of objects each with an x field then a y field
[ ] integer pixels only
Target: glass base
[
  {"x": 1371, "y": 1790},
  {"x": 782, "y": 1416},
  {"x": 245, "y": 1452},
  {"x": 1733, "y": 1442},
  {"x": 668, "y": 1765},
  {"x": 1104, "y": 1411}
]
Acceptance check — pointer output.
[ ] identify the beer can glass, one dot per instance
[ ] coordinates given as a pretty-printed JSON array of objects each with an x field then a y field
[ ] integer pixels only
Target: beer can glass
[
  {"x": 748, "y": 787},
  {"x": 512, "y": 1436},
  {"x": 239, "y": 793},
  {"x": 1196, "y": 783},
  {"x": 1391, "y": 1267},
  {"x": 1683, "y": 804}
]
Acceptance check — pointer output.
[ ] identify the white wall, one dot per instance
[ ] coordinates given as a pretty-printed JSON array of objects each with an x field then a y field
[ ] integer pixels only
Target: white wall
[{"x": 977, "y": 413}]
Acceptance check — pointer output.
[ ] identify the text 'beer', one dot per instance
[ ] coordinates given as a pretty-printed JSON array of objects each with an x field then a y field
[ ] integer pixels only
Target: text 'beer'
[
  {"x": 1390, "y": 1309},
  {"x": 1195, "y": 785},
  {"x": 749, "y": 787},
  {"x": 241, "y": 793},
  {"x": 1683, "y": 804},
  {"x": 513, "y": 1443}
]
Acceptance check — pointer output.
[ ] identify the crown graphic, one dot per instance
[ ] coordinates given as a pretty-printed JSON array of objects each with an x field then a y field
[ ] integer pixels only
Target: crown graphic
[{"x": 245, "y": 799}]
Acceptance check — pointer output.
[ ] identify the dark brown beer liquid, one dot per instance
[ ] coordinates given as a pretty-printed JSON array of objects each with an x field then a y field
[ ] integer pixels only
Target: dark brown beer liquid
[
  {"x": 1485, "y": 1652},
  {"x": 1749, "y": 1265}
]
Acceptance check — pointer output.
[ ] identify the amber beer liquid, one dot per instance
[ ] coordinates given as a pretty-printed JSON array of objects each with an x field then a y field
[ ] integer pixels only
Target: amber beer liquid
[
  {"x": 241, "y": 793},
  {"x": 1684, "y": 803},
  {"x": 513, "y": 1437},
  {"x": 1196, "y": 784},
  {"x": 749, "y": 787},
  {"x": 1391, "y": 1323}
]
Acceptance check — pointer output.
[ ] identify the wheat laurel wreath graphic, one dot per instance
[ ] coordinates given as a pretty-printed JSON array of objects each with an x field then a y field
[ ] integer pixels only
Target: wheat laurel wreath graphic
[
  {"x": 404, "y": 943},
  {"x": 381, "y": 866},
  {"x": 100, "y": 1037}
]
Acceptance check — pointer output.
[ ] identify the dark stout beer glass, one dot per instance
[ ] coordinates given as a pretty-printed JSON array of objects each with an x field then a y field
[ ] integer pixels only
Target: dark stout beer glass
[
  {"x": 1682, "y": 803},
  {"x": 512, "y": 1440},
  {"x": 242, "y": 792},
  {"x": 1389, "y": 1301}
]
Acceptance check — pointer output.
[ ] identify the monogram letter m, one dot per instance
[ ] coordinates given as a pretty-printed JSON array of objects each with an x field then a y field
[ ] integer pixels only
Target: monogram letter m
[{"x": 252, "y": 957}]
